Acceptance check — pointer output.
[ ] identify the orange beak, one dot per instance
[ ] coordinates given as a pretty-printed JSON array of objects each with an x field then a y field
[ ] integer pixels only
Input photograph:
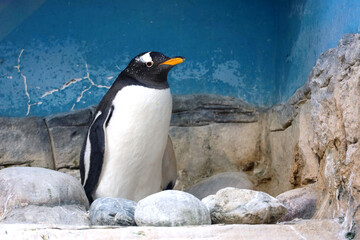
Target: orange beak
[{"x": 173, "y": 61}]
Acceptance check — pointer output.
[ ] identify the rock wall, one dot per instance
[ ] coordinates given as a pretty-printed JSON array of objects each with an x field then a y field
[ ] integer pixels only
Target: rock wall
[
  {"x": 314, "y": 136},
  {"x": 207, "y": 132},
  {"x": 311, "y": 140}
]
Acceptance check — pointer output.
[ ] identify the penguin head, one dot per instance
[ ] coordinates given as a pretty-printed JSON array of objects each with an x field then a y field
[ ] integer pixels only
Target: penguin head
[{"x": 151, "y": 67}]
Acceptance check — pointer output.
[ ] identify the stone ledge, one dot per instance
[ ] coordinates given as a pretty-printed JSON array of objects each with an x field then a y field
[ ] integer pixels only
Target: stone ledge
[
  {"x": 309, "y": 229},
  {"x": 204, "y": 109}
]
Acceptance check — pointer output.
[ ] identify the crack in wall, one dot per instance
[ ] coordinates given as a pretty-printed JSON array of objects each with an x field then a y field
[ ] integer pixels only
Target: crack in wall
[
  {"x": 29, "y": 104},
  {"x": 86, "y": 89},
  {"x": 63, "y": 87}
]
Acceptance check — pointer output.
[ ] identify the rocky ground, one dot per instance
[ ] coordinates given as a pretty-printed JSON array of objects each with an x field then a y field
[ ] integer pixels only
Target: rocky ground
[{"x": 305, "y": 151}]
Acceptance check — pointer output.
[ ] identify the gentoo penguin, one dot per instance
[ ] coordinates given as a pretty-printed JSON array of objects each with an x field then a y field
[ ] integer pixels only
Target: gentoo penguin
[{"x": 124, "y": 148}]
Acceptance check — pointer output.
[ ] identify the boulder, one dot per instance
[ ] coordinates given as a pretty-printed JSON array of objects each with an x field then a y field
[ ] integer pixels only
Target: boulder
[
  {"x": 112, "y": 211},
  {"x": 61, "y": 215},
  {"x": 219, "y": 181},
  {"x": 25, "y": 141},
  {"x": 301, "y": 203},
  {"x": 243, "y": 206},
  {"x": 25, "y": 188},
  {"x": 171, "y": 208}
]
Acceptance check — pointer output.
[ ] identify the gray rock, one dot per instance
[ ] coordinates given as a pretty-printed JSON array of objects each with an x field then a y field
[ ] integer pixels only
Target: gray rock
[
  {"x": 199, "y": 110},
  {"x": 61, "y": 215},
  {"x": 219, "y": 181},
  {"x": 301, "y": 203},
  {"x": 67, "y": 144},
  {"x": 67, "y": 132},
  {"x": 205, "y": 150},
  {"x": 23, "y": 186},
  {"x": 25, "y": 141},
  {"x": 112, "y": 211},
  {"x": 171, "y": 208},
  {"x": 285, "y": 115},
  {"x": 73, "y": 118},
  {"x": 242, "y": 206}
]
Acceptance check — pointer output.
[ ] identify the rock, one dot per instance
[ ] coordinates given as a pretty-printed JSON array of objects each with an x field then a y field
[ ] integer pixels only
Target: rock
[
  {"x": 61, "y": 215},
  {"x": 80, "y": 117},
  {"x": 203, "y": 109},
  {"x": 206, "y": 150},
  {"x": 335, "y": 121},
  {"x": 112, "y": 211},
  {"x": 171, "y": 208},
  {"x": 243, "y": 206},
  {"x": 67, "y": 132},
  {"x": 67, "y": 144},
  {"x": 282, "y": 145},
  {"x": 219, "y": 181},
  {"x": 24, "y": 186},
  {"x": 285, "y": 115},
  {"x": 300, "y": 203},
  {"x": 25, "y": 141}
]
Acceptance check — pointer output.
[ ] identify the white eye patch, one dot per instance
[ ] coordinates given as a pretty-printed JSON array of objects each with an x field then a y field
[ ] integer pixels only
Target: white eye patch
[{"x": 144, "y": 58}]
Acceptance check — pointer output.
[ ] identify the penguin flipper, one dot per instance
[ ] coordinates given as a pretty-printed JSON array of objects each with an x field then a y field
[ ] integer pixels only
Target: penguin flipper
[
  {"x": 95, "y": 145},
  {"x": 169, "y": 169}
]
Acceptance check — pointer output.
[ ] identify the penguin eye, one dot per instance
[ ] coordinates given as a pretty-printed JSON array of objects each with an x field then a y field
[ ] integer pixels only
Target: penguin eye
[{"x": 149, "y": 64}]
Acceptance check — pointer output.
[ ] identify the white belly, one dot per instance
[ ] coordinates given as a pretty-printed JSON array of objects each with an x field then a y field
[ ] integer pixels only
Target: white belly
[{"x": 135, "y": 143}]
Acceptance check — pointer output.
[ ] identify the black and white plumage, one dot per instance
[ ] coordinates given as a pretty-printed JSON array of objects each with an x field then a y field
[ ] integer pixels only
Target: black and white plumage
[{"x": 123, "y": 151}]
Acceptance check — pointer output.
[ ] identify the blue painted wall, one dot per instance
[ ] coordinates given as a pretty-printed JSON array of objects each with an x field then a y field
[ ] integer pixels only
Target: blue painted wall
[
  {"x": 60, "y": 55},
  {"x": 228, "y": 45},
  {"x": 307, "y": 29}
]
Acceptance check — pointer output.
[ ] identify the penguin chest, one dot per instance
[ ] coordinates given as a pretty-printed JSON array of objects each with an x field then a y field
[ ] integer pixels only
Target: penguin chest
[{"x": 136, "y": 137}]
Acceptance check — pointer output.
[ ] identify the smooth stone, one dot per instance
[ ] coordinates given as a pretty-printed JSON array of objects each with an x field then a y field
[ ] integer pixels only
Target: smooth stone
[
  {"x": 112, "y": 211},
  {"x": 219, "y": 181},
  {"x": 61, "y": 215},
  {"x": 23, "y": 186},
  {"x": 243, "y": 206},
  {"x": 171, "y": 208},
  {"x": 301, "y": 203}
]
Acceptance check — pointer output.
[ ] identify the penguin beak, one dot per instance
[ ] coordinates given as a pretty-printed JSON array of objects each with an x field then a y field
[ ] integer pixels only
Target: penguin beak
[{"x": 173, "y": 61}]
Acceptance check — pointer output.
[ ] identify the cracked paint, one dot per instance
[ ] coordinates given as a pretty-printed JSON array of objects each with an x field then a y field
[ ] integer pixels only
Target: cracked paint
[
  {"x": 29, "y": 104},
  {"x": 55, "y": 90},
  {"x": 74, "y": 81}
]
